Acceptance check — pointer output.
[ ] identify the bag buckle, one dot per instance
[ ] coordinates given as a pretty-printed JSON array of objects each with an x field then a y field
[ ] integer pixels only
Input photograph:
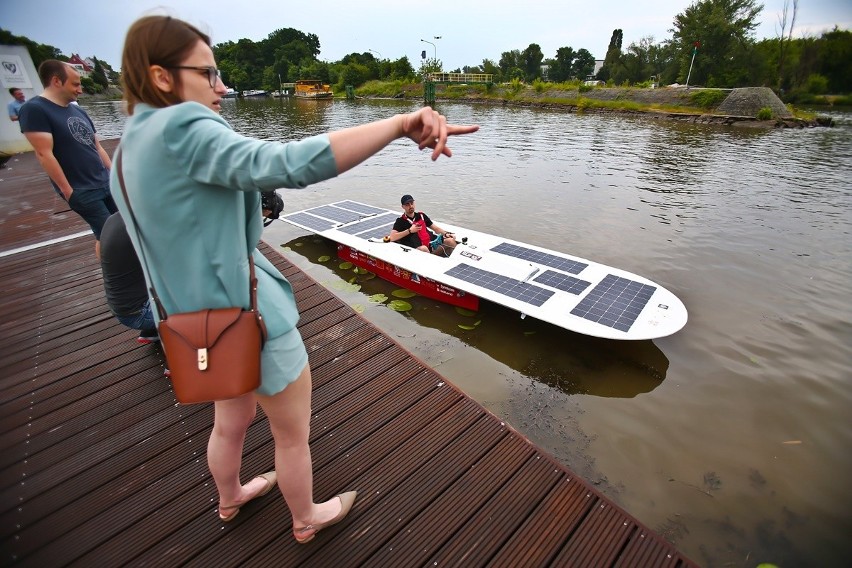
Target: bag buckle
[{"x": 202, "y": 359}]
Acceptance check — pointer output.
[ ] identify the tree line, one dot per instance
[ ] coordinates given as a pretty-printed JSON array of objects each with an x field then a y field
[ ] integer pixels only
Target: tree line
[
  {"x": 711, "y": 43},
  {"x": 287, "y": 55},
  {"x": 100, "y": 78}
]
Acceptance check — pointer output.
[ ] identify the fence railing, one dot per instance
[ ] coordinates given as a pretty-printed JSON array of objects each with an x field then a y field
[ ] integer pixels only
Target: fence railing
[{"x": 460, "y": 77}]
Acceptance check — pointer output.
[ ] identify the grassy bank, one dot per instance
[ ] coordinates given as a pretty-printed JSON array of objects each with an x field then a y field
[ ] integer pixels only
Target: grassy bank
[{"x": 573, "y": 94}]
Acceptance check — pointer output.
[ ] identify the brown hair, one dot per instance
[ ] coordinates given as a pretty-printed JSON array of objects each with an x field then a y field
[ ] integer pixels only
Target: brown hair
[
  {"x": 51, "y": 68},
  {"x": 155, "y": 40}
]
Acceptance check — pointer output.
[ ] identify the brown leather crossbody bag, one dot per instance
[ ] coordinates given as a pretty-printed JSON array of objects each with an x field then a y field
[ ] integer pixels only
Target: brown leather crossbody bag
[{"x": 212, "y": 354}]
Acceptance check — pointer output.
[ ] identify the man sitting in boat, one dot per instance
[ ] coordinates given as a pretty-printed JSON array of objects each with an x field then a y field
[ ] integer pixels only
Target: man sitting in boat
[{"x": 416, "y": 230}]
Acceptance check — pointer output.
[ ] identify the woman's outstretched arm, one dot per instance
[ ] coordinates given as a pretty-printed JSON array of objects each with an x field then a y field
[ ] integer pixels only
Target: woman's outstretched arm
[{"x": 426, "y": 127}]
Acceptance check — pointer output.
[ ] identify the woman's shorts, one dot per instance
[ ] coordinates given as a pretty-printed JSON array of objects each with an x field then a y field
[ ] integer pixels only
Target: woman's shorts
[{"x": 281, "y": 362}]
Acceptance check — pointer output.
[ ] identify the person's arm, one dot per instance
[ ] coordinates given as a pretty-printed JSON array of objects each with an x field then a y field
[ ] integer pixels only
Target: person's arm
[
  {"x": 399, "y": 235},
  {"x": 438, "y": 230},
  {"x": 42, "y": 143},
  {"x": 427, "y": 127},
  {"x": 103, "y": 154}
]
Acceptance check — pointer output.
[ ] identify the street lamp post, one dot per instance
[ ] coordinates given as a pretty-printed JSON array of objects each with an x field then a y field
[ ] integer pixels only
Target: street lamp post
[
  {"x": 433, "y": 47},
  {"x": 374, "y": 51}
]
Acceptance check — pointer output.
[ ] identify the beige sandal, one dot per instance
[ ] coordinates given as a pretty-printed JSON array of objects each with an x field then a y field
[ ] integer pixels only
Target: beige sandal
[
  {"x": 346, "y": 501},
  {"x": 271, "y": 479}
]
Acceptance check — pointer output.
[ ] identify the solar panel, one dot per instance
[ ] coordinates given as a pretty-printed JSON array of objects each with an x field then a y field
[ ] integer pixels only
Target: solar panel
[
  {"x": 562, "y": 282},
  {"x": 501, "y": 284},
  {"x": 335, "y": 213},
  {"x": 374, "y": 233},
  {"x": 532, "y": 255},
  {"x": 359, "y": 207},
  {"x": 309, "y": 221},
  {"x": 385, "y": 222},
  {"x": 615, "y": 302}
]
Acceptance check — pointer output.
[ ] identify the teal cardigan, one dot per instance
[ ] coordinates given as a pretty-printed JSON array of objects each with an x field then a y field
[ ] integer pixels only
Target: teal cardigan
[{"x": 194, "y": 186}]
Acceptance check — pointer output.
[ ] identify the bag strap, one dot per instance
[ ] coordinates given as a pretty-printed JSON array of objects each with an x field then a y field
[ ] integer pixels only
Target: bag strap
[{"x": 160, "y": 309}]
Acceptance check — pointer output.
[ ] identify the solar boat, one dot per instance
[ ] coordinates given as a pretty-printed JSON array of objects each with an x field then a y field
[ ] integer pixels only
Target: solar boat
[{"x": 567, "y": 291}]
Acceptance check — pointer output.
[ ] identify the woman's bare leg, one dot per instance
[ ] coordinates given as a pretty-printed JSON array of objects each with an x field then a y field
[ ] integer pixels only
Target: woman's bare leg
[
  {"x": 225, "y": 449},
  {"x": 289, "y": 415}
]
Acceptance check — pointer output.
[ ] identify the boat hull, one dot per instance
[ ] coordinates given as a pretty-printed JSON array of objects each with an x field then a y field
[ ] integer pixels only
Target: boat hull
[
  {"x": 313, "y": 96},
  {"x": 421, "y": 285}
]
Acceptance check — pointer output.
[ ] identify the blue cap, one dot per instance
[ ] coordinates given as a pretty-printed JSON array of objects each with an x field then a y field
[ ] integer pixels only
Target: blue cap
[{"x": 406, "y": 199}]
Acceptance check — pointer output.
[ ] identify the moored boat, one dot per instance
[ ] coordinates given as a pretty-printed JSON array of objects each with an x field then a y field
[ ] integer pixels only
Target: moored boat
[
  {"x": 255, "y": 93},
  {"x": 312, "y": 89},
  {"x": 568, "y": 291}
]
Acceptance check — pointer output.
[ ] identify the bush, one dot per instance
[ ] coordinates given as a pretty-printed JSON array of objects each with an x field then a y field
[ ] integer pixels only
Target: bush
[
  {"x": 764, "y": 114},
  {"x": 89, "y": 86},
  {"x": 539, "y": 86},
  {"x": 584, "y": 88},
  {"x": 816, "y": 84},
  {"x": 708, "y": 98}
]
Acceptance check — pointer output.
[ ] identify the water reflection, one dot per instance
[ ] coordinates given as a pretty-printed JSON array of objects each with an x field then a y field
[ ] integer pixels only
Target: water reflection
[
  {"x": 573, "y": 363},
  {"x": 278, "y": 118}
]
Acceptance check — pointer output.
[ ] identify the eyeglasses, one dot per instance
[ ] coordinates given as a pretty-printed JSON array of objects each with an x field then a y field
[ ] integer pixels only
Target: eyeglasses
[{"x": 213, "y": 74}]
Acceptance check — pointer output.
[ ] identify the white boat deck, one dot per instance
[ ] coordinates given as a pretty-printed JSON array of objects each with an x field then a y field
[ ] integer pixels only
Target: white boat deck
[{"x": 568, "y": 291}]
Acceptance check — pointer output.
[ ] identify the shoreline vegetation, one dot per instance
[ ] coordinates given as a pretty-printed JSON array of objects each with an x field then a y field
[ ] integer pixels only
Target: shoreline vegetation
[
  {"x": 694, "y": 104},
  {"x": 757, "y": 106}
]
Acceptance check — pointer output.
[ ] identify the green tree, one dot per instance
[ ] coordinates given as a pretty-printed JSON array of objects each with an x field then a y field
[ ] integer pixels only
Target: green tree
[
  {"x": 510, "y": 64},
  {"x": 98, "y": 75},
  {"x": 401, "y": 69},
  {"x": 38, "y": 52},
  {"x": 724, "y": 29},
  {"x": 488, "y": 66},
  {"x": 563, "y": 65},
  {"x": 353, "y": 74},
  {"x": 641, "y": 61},
  {"x": 430, "y": 65},
  {"x": 531, "y": 59},
  {"x": 316, "y": 70},
  {"x": 584, "y": 64},
  {"x": 285, "y": 36},
  {"x": 89, "y": 86},
  {"x": 835, "y": 59},
  {"x": 613, "y": 55}
]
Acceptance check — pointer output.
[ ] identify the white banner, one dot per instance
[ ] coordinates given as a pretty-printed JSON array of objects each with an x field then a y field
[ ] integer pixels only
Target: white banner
[{"x": 12, "y": 73}]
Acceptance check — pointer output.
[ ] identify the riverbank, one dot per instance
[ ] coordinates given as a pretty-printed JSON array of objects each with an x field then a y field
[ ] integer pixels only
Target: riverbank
[{"x": 755, "y": 107}]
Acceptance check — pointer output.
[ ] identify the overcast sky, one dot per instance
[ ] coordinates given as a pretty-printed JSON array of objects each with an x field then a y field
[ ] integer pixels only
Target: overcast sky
[{"x": 470, "y": 30}]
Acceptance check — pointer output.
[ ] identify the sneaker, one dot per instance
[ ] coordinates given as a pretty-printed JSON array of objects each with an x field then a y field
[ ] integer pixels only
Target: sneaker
[{"x": 147, "y": 336}]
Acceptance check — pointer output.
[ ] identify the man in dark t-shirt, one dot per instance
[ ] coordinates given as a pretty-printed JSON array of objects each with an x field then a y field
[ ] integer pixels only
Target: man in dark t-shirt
[
  {"x": 66, "y": 145},
  {"x": 124, "y": 281},
  {"x": 416, "y": 230}
]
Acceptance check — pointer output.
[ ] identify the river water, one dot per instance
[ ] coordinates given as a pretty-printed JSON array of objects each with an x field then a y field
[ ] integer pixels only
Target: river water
[{"x": 732, "y": 437}]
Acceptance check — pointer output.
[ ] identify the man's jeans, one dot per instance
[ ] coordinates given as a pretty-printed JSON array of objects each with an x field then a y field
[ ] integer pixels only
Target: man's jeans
[
  {"x": 94, "y": 206},
  {"x": 143, "y": 320}
]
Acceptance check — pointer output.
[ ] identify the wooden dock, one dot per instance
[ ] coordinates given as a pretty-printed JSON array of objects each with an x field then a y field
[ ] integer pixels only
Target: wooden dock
[{"x": 101, "y": 467}]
